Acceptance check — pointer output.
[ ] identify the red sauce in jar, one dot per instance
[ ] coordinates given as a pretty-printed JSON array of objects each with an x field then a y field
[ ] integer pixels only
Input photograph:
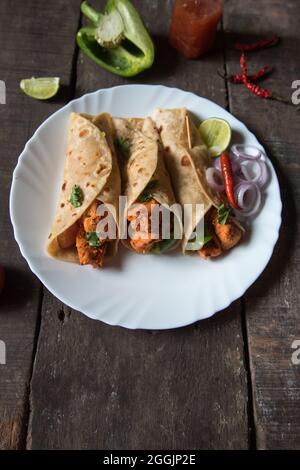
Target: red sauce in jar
[{"x": 193, "y": 26}]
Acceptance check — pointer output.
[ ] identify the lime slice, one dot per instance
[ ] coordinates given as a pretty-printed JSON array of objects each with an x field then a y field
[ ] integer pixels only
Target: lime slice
[
  {"x": 40, "y": 88},
  {"x": 216, "y": 134}
]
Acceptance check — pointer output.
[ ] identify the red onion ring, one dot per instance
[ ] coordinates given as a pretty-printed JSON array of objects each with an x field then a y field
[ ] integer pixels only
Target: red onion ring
[
  {"x": 217, "y": 163},
  {"x": 215, "y": 179},
  {"x": 240, "y": 151},
  {"x": 248, "y": 197},
  {"x": 255, "y": 172},
  {"x": 250, "y": 174}
]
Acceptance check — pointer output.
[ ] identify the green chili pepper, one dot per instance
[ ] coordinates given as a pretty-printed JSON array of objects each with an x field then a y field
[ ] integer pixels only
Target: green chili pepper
[{"x": 117, "y": 40}]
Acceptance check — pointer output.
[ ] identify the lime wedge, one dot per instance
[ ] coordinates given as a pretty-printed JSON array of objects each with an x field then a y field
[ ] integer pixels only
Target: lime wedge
[
  {"x": 40, "y": 88},
  {"x": 216, "y": 134}
]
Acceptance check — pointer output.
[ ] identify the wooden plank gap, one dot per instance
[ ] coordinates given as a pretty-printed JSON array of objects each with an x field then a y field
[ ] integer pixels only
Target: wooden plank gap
[
  {"x": 73, "y": 82},
  {"x": 247, "y": 365},
  {"x": 27, "y": 411},
  {"x": 225, "y": 71}
]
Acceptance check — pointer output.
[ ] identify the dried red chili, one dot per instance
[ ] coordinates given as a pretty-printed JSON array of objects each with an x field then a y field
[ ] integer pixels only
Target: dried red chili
[
  {"x": 228, "y": 179},
  {"x": 257, "y": 46},
  {"x": 248, "y": 80},
  {"x": 258, "y": 90},
  {"x": 255, "y": 89},
  {"x": 238, "y": 78},
  {"x": 243, "y": 66}
]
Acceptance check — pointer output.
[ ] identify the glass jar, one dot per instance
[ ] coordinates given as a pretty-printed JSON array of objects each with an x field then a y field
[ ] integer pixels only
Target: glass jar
[{"x": 193, "y": 26}]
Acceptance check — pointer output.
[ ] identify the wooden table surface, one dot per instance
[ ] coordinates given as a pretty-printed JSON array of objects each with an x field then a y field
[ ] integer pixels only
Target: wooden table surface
[{"x": 223, "y": 383}]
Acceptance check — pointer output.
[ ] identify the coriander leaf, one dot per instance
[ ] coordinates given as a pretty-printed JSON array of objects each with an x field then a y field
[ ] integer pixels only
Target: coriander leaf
[
  {"x": 201, "y": 240},
  {"x": 93, "y": 239},
  {"x": 122, "y": 146},
  {"x": 76, "y": 197},
  {"x": 146, "y": 195},
  {"x": 164, "y": 245},
  {"x": 223, "y": 214},
  {"x": 206, "y": 239}
]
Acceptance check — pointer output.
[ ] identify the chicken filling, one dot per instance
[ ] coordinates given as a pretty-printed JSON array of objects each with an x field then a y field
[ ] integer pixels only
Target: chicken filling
[
  {"x": 223, "y": 236},
  {"x": 144, "y": 234},
  {"x": 82, "y": 234}
]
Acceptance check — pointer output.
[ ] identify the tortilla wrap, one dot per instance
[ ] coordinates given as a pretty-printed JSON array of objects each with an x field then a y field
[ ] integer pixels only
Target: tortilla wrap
[
  {"x": 143, "y": 163},
  {"x": 187, "y": 159},
  {"x": 91, "y": 163}
]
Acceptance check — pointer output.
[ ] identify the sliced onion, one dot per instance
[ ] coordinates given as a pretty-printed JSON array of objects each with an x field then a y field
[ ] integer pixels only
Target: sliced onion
[
  {"x": 217, "y": 163},
  {"x": 238, "y": 176},
  {"x": 246, "y": 152},
  {"x": 248, "y": 197},
  {"x": 255, "y": 172},
  {"x": 215, "y": 179}
]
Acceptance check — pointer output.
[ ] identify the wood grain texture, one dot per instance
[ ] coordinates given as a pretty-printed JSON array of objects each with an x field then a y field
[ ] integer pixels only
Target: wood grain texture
[
  {"x": 41, "y": 32},
  {"x": 272, "y": 304},
  {"x": 96, "y": 386}
]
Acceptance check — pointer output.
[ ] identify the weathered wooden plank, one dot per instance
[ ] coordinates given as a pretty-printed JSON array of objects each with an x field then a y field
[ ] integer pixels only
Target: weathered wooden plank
[
  {"x": 272, "y": 303},
  {"x": 31, "y": 41},
  {"x": 96, "y": 386}
]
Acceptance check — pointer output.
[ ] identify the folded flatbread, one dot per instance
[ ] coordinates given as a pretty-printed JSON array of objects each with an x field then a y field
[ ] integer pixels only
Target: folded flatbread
[
  {"x": 187, "y": 160},
  {"x": 146, "y": 182},
  {"x": 91, "y": 177}
]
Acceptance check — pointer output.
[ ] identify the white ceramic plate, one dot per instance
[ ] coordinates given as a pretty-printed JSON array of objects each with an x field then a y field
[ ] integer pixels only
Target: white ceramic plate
[{"x": 154, "y": 292}]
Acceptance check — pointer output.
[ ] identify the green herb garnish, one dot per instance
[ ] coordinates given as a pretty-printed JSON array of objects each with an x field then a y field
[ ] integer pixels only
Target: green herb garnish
[
  {"x": 147, "y": 194},
  {"x": 164, "y": 245},
  {"x": 76, "y": 197},
  {"x": 223, "y": 214},
  {"x": 201, "y": 240},
  {"x": 198, "y": 241},
  {"x": 207, "y": 239},
  {"x": 93, "y": 239},
  {"x": 122, "y": 146}
]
